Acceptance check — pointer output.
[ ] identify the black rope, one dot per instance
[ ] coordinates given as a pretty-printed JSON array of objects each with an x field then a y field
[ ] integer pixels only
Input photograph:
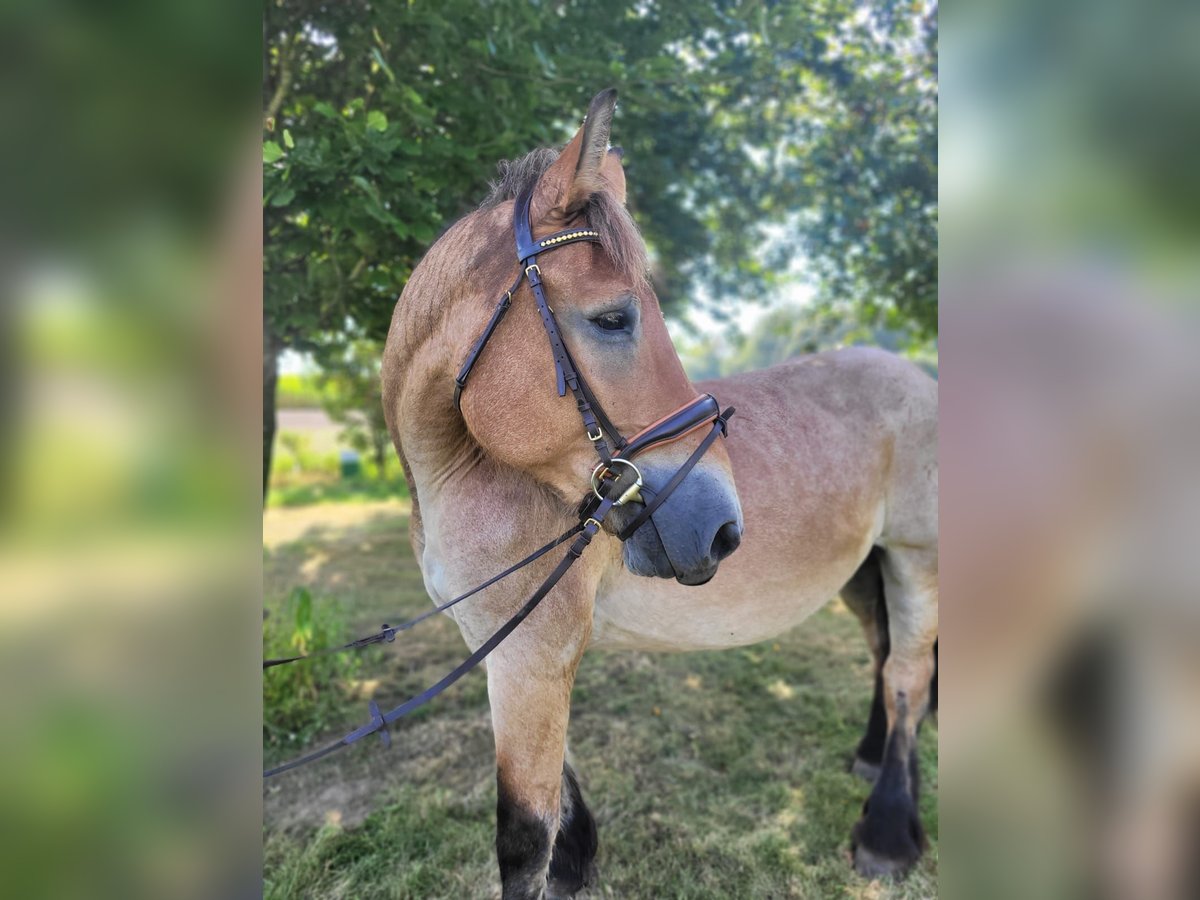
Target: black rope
[
  {"x": 388, "y": 632},
  {"x": 379, "y": 722}
]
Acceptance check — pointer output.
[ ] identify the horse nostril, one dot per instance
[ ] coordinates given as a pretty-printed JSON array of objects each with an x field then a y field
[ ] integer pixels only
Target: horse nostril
[{"x": 727, "y": 540}]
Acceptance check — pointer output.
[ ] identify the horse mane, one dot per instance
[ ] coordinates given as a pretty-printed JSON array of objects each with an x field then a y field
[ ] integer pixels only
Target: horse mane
[{"x": 619, "y": 235}]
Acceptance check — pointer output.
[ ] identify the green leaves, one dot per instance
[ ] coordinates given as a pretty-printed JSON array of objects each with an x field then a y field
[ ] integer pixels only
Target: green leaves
[
  {"x": 376, "y": 121},
  {"x": 740, "y": 122}
]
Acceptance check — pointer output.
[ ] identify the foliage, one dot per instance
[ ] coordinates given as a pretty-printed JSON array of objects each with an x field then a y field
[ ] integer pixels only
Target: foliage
[
  {"x": 298, "y": 456},
  {"x": 302, "y": 699},
  {"x": 364, "y": 488},
  {"x": 866, "y": 151},
  {"x": 302, "y": 475},
  {"x": 350, "y": 394},
  {"x": 385, "y": 120}
]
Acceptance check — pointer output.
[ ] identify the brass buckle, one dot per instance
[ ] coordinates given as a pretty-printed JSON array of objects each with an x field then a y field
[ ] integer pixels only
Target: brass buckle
[
  {"x": 633, "y": 492},
  {"x": 595, "y": 437},
  {"x": 534, "y": 266},
  {"x": 592, "y": 521}
]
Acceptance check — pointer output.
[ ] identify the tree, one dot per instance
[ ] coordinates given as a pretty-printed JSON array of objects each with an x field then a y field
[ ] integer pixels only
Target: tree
[
  {"x": 384, "y": 122},
  {"x": 350, "y": 395},
  {"x": 866, "y": 149}
]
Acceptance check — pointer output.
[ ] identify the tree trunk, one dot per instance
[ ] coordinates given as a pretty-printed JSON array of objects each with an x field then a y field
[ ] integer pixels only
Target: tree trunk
[{"x": 271, "y": 350}]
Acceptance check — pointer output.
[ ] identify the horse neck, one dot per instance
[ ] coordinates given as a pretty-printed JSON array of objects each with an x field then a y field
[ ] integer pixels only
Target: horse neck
[
  {"x": 418, "y": 388},
  {"x": 467, "y": 507},
  {"x": 439, "y": 315}
]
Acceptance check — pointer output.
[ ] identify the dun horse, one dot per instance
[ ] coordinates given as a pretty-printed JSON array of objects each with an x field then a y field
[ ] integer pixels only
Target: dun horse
[{"x": 833, "y": 457}]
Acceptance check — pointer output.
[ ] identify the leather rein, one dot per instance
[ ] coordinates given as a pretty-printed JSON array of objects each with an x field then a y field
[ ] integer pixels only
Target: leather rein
[{"x": 609, "y": 480}]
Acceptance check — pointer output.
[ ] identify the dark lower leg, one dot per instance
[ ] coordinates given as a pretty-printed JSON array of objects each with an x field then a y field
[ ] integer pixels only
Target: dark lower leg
[
  {"x": 888, "y": 838},
  {"x": 869, "y": 756},
  {"x": 869, "y": 584},
  {"x": 523, "y": 846},
  {"x": 572, "y": 865}
]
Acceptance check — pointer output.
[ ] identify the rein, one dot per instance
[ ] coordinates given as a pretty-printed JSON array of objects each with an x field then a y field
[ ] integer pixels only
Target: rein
[{"x": 607, "y": 490}]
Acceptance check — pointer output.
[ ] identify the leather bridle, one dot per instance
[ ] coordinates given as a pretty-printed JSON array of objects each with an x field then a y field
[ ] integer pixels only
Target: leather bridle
[{"x": 609, "y": 487}]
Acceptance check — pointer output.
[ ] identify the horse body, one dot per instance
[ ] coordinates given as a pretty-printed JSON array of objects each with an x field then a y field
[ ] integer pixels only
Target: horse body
[{"x": 833, "y": 456}]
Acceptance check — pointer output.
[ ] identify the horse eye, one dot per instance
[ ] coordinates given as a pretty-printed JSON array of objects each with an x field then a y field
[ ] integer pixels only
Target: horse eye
[{"x": 612, "y": 321}]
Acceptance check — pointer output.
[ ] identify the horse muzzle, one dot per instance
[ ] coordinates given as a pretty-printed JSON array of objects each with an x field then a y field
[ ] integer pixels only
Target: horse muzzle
[{"x": 686, "y": 538}]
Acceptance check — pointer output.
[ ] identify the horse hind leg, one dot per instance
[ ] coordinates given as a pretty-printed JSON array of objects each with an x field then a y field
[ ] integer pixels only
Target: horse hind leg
[
  {"x": 863, "y": 594},
  {"x": 889, "y": 839}
]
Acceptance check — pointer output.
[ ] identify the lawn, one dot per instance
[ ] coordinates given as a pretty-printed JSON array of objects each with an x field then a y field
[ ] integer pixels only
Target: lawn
[{"x": 711, "y": 775}]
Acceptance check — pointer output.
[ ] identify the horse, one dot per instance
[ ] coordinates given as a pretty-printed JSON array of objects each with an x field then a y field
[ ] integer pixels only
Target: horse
[{"x": 826, "y": 483}]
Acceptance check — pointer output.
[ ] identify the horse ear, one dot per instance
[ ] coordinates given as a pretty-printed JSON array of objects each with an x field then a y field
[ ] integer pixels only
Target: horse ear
[
  {"x": 613, "y": 173},
  {"x": 585, "y": 166}
]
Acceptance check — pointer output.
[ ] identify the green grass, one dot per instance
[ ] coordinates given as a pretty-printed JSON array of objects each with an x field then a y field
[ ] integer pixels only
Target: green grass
[
  {"x": 337, "y": 490},
  {"x": 711, "y": 775}
]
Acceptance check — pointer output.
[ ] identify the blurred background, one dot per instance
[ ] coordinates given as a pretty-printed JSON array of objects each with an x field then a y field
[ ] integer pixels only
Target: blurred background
[{"x": 145, "y": 180}]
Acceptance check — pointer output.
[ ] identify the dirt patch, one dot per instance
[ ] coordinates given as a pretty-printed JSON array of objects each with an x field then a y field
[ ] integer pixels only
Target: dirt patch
[{"x": 284, "y": 525}]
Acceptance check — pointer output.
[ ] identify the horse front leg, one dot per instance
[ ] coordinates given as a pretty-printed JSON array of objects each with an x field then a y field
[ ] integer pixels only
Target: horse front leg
[{"x": 545, "y": 836}]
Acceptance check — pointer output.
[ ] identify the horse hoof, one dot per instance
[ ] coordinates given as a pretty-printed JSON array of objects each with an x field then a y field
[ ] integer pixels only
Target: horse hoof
[
  {"x": 556, "y": 889},
  {"x": 881, "y": 850},
  {"x": 867, "y": 771},
  {"x": 871, "y": 865},
  {"x": 566, "y": 888}
]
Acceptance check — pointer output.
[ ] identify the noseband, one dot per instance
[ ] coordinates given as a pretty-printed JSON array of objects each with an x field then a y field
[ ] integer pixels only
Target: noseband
[{"x": 616, "y": 479}]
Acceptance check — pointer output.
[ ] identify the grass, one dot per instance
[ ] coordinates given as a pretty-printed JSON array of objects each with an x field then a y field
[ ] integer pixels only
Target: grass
[
  {"x": 339, "y": 490},
  {"x": 711, "y": 775}
]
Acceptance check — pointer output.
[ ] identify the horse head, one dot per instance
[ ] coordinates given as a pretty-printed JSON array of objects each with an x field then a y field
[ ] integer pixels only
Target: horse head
[{"x": 609, "y": 317}]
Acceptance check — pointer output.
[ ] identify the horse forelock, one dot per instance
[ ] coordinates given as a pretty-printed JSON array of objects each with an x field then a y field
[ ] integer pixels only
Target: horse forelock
[{"x": 620, "y": 238}]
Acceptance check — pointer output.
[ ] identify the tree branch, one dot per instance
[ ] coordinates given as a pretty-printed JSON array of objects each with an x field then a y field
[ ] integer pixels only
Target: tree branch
[{"x": 284, "y": 82}]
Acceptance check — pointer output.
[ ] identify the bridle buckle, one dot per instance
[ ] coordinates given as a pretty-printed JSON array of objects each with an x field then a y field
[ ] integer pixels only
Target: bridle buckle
[
  {"x": 595, "y": 437},
  {"x": 533, "y": 267}
]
